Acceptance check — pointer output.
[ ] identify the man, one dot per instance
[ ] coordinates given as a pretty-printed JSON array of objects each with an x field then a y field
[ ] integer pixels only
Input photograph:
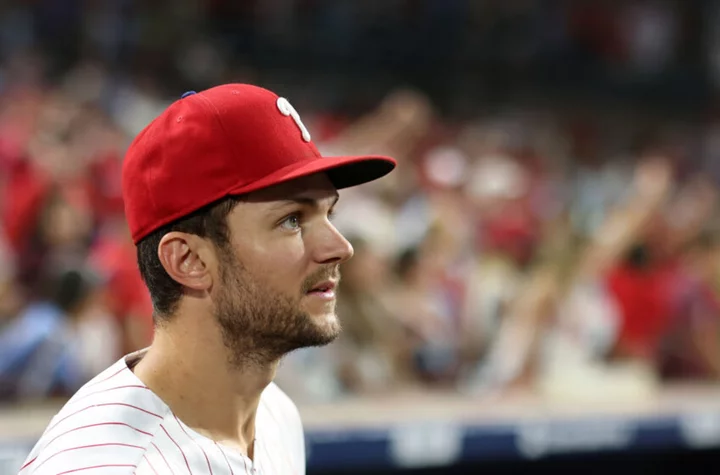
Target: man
[{"x": 228, "y": 202}]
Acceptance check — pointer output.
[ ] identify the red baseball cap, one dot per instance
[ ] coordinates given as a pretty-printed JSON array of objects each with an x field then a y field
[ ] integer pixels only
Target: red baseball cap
[{"x": 227, "y": 140}]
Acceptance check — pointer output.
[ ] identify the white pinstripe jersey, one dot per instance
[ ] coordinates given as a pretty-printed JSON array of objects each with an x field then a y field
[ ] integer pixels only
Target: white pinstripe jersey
[{"x": 115, "y": 425}]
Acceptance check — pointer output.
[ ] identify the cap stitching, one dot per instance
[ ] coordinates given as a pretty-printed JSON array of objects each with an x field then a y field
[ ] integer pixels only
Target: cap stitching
[
  {"x": 212, "y": 110},
  {"x": 152, "y": 178},
  {"x": 216, "y": 116}
]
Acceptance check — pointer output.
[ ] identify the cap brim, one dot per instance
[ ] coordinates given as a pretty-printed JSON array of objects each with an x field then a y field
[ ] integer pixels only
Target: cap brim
[{"x": 343, "y": 172}]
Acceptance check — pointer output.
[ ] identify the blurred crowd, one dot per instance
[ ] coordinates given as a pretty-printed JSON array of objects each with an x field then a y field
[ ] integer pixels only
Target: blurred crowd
[
  {"x": 524, "y": 250},
  {"x": 507, "y": 251},
  {"x": 551, "y": 248}
]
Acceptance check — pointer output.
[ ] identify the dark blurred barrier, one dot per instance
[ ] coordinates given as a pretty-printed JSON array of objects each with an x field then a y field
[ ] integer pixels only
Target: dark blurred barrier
[
  {"x": 453, "y": 434},
  {"x": 667, "y": 462}
]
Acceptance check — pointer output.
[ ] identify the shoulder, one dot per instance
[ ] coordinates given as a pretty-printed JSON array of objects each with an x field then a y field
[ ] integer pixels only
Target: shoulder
[
  {"x": 284, "y": 422},
  {"x": 106, "y": 427},
  {"x": 280, "y": 404}
]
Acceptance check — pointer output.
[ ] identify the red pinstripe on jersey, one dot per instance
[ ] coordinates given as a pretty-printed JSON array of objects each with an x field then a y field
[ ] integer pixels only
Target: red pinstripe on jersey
[
  {"x": 179, "y": 448},
  {"x": 163, "y": 457},
  {"x": 138, "y": 386},
  {"x": 101, "y": 405},
  {"x": 150, "y": 465},
  {"x": 195, "y": 442},
  {"x": 110, "y": 444},
  {"x": 98, "y": 425},
  {"x": 95, "y": 383},
  {"x": 226, "y": 460},
  {"x": 28, "y": 463},
  {"x": 95, "y": 466}
]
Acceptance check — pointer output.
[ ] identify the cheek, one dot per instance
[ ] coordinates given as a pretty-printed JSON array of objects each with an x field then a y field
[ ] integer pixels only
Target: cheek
[{"x": 279, "y": 267}]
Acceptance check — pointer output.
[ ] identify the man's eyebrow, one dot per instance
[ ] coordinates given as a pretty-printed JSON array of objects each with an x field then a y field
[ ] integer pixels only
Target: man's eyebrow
[{"x": 305, "y": 201}]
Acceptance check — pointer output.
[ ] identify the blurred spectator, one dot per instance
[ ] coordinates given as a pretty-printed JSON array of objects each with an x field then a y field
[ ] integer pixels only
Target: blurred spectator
[
  {"x": 125, "y": 296},
  {"x": 690, "y": 348},
  {"x": 58, "y": 342},
  {"x": 376, "y": 347}
]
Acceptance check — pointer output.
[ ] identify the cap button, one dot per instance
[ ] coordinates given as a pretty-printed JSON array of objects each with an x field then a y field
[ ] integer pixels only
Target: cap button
[{"x": 189, "y": 93}]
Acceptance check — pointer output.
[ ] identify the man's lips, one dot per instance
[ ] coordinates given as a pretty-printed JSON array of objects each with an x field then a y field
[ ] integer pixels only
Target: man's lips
[
  {"x": 326, "y": 286},
  {"x": 324, "y": 291}
]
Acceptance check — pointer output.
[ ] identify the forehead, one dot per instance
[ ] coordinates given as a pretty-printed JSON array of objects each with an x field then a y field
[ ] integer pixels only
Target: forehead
[{"x": 315, "y": 187}]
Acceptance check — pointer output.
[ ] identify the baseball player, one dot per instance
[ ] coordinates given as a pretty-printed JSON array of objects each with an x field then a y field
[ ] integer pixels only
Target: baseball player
[{"x": 229, "y": 204}]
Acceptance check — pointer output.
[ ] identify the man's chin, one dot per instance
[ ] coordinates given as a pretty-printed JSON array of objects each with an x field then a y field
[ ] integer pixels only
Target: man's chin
[
  {"x": 314, "y": 339},
  {"x": 327, "y": 318},
  {"x": 325, "y": 339},
  {"x": 327, "y": 329},
  {"x": 328, "y": 326}
]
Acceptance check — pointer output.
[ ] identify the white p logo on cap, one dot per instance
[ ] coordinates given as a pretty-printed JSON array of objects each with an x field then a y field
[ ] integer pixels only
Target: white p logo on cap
[{"x": 288, "y": 110}]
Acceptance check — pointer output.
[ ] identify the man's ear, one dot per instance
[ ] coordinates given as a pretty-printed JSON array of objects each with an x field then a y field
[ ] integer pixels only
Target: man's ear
[{"x": 188, "y": 259}]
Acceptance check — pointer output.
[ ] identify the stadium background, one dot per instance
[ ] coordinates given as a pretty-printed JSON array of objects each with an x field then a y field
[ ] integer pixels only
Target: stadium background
[{"x": 536, "y": 287}]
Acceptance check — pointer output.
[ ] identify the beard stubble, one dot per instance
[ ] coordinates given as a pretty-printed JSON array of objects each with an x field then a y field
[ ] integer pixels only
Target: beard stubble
[{"x": 259, "y": 325}]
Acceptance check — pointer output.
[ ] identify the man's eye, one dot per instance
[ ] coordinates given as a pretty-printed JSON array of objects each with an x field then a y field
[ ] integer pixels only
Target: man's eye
[{"x": 291, "y": 223}]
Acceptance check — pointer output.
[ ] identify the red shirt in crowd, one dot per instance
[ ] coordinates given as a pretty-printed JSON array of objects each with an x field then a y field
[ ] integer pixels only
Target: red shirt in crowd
[{"x": 645, "y": 299}]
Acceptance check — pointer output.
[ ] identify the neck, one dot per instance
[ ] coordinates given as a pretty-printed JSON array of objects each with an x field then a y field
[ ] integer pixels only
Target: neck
[{"x": 190, "y": 369}]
